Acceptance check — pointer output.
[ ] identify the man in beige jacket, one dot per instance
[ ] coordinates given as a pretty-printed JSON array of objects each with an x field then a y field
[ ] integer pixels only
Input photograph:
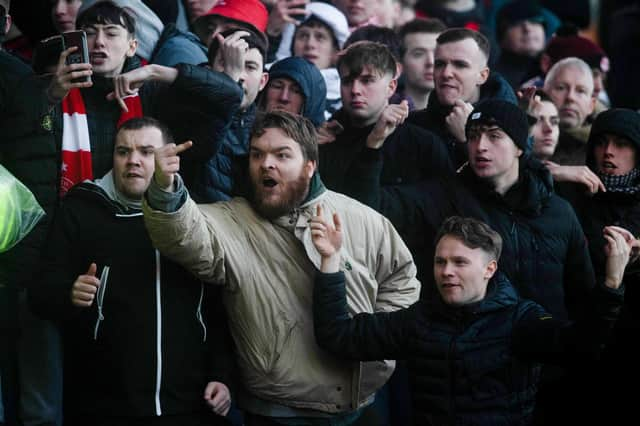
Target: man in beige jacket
[{"x": 260, "y": 249}]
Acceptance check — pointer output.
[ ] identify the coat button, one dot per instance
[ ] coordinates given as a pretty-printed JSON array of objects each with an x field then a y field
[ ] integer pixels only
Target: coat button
[{"x": 339, "y": 388}]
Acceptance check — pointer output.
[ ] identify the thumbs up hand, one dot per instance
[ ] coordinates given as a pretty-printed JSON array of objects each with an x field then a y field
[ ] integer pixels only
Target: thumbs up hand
[{"x": 85, "y": 288}]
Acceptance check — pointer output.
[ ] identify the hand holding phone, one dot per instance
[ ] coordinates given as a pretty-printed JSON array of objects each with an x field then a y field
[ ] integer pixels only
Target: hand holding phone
[{"x": 77, "y": 39}]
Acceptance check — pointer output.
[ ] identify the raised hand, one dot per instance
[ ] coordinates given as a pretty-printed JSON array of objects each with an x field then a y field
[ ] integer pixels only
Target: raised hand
[
  {"x": 327, "y": 238},
  {"x": 129, "y": 83},
  {"x": 283, "y": 12},
  {"x": 218, "y": 397},
  {"x": 85, "y": 288},
  {"x": 617, "y": 249},
  {"x": 392, "y": 116},
  {"x": 328, "y": 131},
  {"x": 578, "y": 174},
  {"x": 233, "y": 51},
  {"x": 62, "y": 80},
  {"x": 167, "y": 163},
  {"x": 457, "y": 119}
]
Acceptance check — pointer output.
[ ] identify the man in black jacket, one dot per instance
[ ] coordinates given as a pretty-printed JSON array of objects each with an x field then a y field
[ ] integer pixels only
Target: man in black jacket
[
  {"x": 473, "y": 352},
  {"x": 143, "y": 339}
]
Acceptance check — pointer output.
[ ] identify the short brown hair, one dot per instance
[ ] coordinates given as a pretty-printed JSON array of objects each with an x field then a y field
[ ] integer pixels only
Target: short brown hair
[
  {"x": 473, "y": 233},
  {"x": 297, "y": 127},
  {"x": 138, "y": 123},
  {"x": 458, "y": 34},
  {"x": 363, "y": 53}
]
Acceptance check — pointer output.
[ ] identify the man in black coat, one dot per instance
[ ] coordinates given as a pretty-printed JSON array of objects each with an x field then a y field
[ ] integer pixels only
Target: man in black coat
[
  {"x": 474, "y": 351},
  {"x": 143, "y": 339}
]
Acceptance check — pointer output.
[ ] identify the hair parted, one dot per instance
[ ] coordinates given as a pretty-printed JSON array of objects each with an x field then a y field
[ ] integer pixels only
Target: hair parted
[{"x": 473, "y": 233}]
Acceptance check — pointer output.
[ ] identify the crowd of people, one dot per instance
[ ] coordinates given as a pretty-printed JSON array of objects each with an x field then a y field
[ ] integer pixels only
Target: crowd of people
[{"x": 299, "y": 212}]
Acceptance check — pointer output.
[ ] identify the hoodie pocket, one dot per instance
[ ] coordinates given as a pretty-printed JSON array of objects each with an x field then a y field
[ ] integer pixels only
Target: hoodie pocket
[{"x": 102, "y": 289}]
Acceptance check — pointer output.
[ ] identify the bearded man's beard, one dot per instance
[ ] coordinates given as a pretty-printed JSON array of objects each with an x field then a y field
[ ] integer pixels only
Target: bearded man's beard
[{"x": 293, "y": 194}]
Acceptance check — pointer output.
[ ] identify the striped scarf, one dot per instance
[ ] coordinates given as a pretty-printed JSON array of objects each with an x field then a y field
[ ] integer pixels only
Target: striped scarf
[{"x": 76, "y": 146}]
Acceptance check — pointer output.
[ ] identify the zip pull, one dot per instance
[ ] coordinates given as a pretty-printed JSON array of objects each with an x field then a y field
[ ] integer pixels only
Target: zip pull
[{"x": 104, "y": 277}]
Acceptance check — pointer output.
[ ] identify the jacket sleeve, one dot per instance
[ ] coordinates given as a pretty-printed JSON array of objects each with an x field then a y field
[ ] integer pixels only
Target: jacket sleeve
[
  {"x": 199, "y": 106},
  {"x": 364, "y": 337},
  {"x": 579, "y": 276},
  {"x": 187, "y": 237},
  {"x": 398, "y": 286},
  {"x": 50, "y": 295},
  {"x": 540, "y": 337}
]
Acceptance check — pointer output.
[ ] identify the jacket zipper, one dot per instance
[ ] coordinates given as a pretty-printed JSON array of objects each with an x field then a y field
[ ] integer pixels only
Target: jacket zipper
[
  {"x": 158, "y": 337},
  {"x": 104, "y": 278},
  {"x": 199, "y": 313}
]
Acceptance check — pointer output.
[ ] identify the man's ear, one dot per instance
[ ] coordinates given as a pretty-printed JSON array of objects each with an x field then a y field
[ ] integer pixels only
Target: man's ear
[
  {"x": 133, "y": 46},
  {"x": 490, "y": 269},
  {"x": 592, "y": 104},
  {"x": 7, "y": 25},
  {"x": 483, "y": 76},
  {"x": 391, "y": 88},
  {"x": 310, "y": 168},
  {"x": 263, "y": 81}
]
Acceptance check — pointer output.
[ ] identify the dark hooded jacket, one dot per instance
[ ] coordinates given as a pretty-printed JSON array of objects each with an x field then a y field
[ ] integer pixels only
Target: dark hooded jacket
[
  {"x": 308, "y": 77},
  {"x": 154, "y": 335},
  {"x": 621, "y": 209},
  {"x": 476, "y": 364},
  {"x": 433, "y": 116}
]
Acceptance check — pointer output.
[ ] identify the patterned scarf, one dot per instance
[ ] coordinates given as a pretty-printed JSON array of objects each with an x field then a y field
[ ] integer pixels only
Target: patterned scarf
[
  {"x": 628, "y": 184},
  {"x": 76, "y": 147}
]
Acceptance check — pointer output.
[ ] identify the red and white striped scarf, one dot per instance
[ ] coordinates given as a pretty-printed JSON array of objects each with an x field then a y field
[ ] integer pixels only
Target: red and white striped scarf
[{"x": 76, "y": 147}]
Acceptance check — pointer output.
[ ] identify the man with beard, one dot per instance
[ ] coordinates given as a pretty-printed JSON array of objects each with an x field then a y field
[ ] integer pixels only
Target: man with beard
[{"x": 260, "y": 249}]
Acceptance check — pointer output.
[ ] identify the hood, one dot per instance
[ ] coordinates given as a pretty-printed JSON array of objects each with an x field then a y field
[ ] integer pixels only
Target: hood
[
  {"x": 496, "y": 87},
  {"x": 93, "y": 192},
  {"x": 148, "y": 25},
  {"x": 621, "y": 122},
  {"x": 310, "y": 80},
  {"x": 328, "y": 14}
]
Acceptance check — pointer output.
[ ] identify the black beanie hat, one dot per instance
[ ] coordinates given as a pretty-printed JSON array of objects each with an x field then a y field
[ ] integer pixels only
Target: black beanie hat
[
  {"x": 511, "y": 119},
  {"x": 516, "y": 11}
]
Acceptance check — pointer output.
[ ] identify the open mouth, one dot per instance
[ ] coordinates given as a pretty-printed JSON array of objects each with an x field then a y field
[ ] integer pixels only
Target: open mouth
[
  {"x": 609, "y": 165},
  {"x": 269, "y": 183}
]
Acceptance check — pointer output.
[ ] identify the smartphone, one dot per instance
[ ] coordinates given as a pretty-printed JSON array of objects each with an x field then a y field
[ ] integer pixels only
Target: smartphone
[{"x": 80, "y": 55}]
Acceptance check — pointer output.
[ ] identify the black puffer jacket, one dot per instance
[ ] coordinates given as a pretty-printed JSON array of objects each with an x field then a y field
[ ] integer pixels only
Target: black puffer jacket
[
  {"x": 469, "y": 365},
  {"x": 154, "y": 335},
  {"x": 544, "y": 252},
  {"x": 433, "y": 116}
]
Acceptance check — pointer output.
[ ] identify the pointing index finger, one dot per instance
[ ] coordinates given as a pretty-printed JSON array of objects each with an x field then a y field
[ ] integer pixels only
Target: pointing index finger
[{"x": 183, "y": 147}]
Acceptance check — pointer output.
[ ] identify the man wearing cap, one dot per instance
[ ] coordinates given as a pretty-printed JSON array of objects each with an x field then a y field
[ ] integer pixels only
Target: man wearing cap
[
  {"x": 545, "y": 252},
  {"x": 462, "y": 78},
  {"x": 513, "y": 192},
  {"x": 521, "y": 35},
  {"x": 225, "y": 14}
]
